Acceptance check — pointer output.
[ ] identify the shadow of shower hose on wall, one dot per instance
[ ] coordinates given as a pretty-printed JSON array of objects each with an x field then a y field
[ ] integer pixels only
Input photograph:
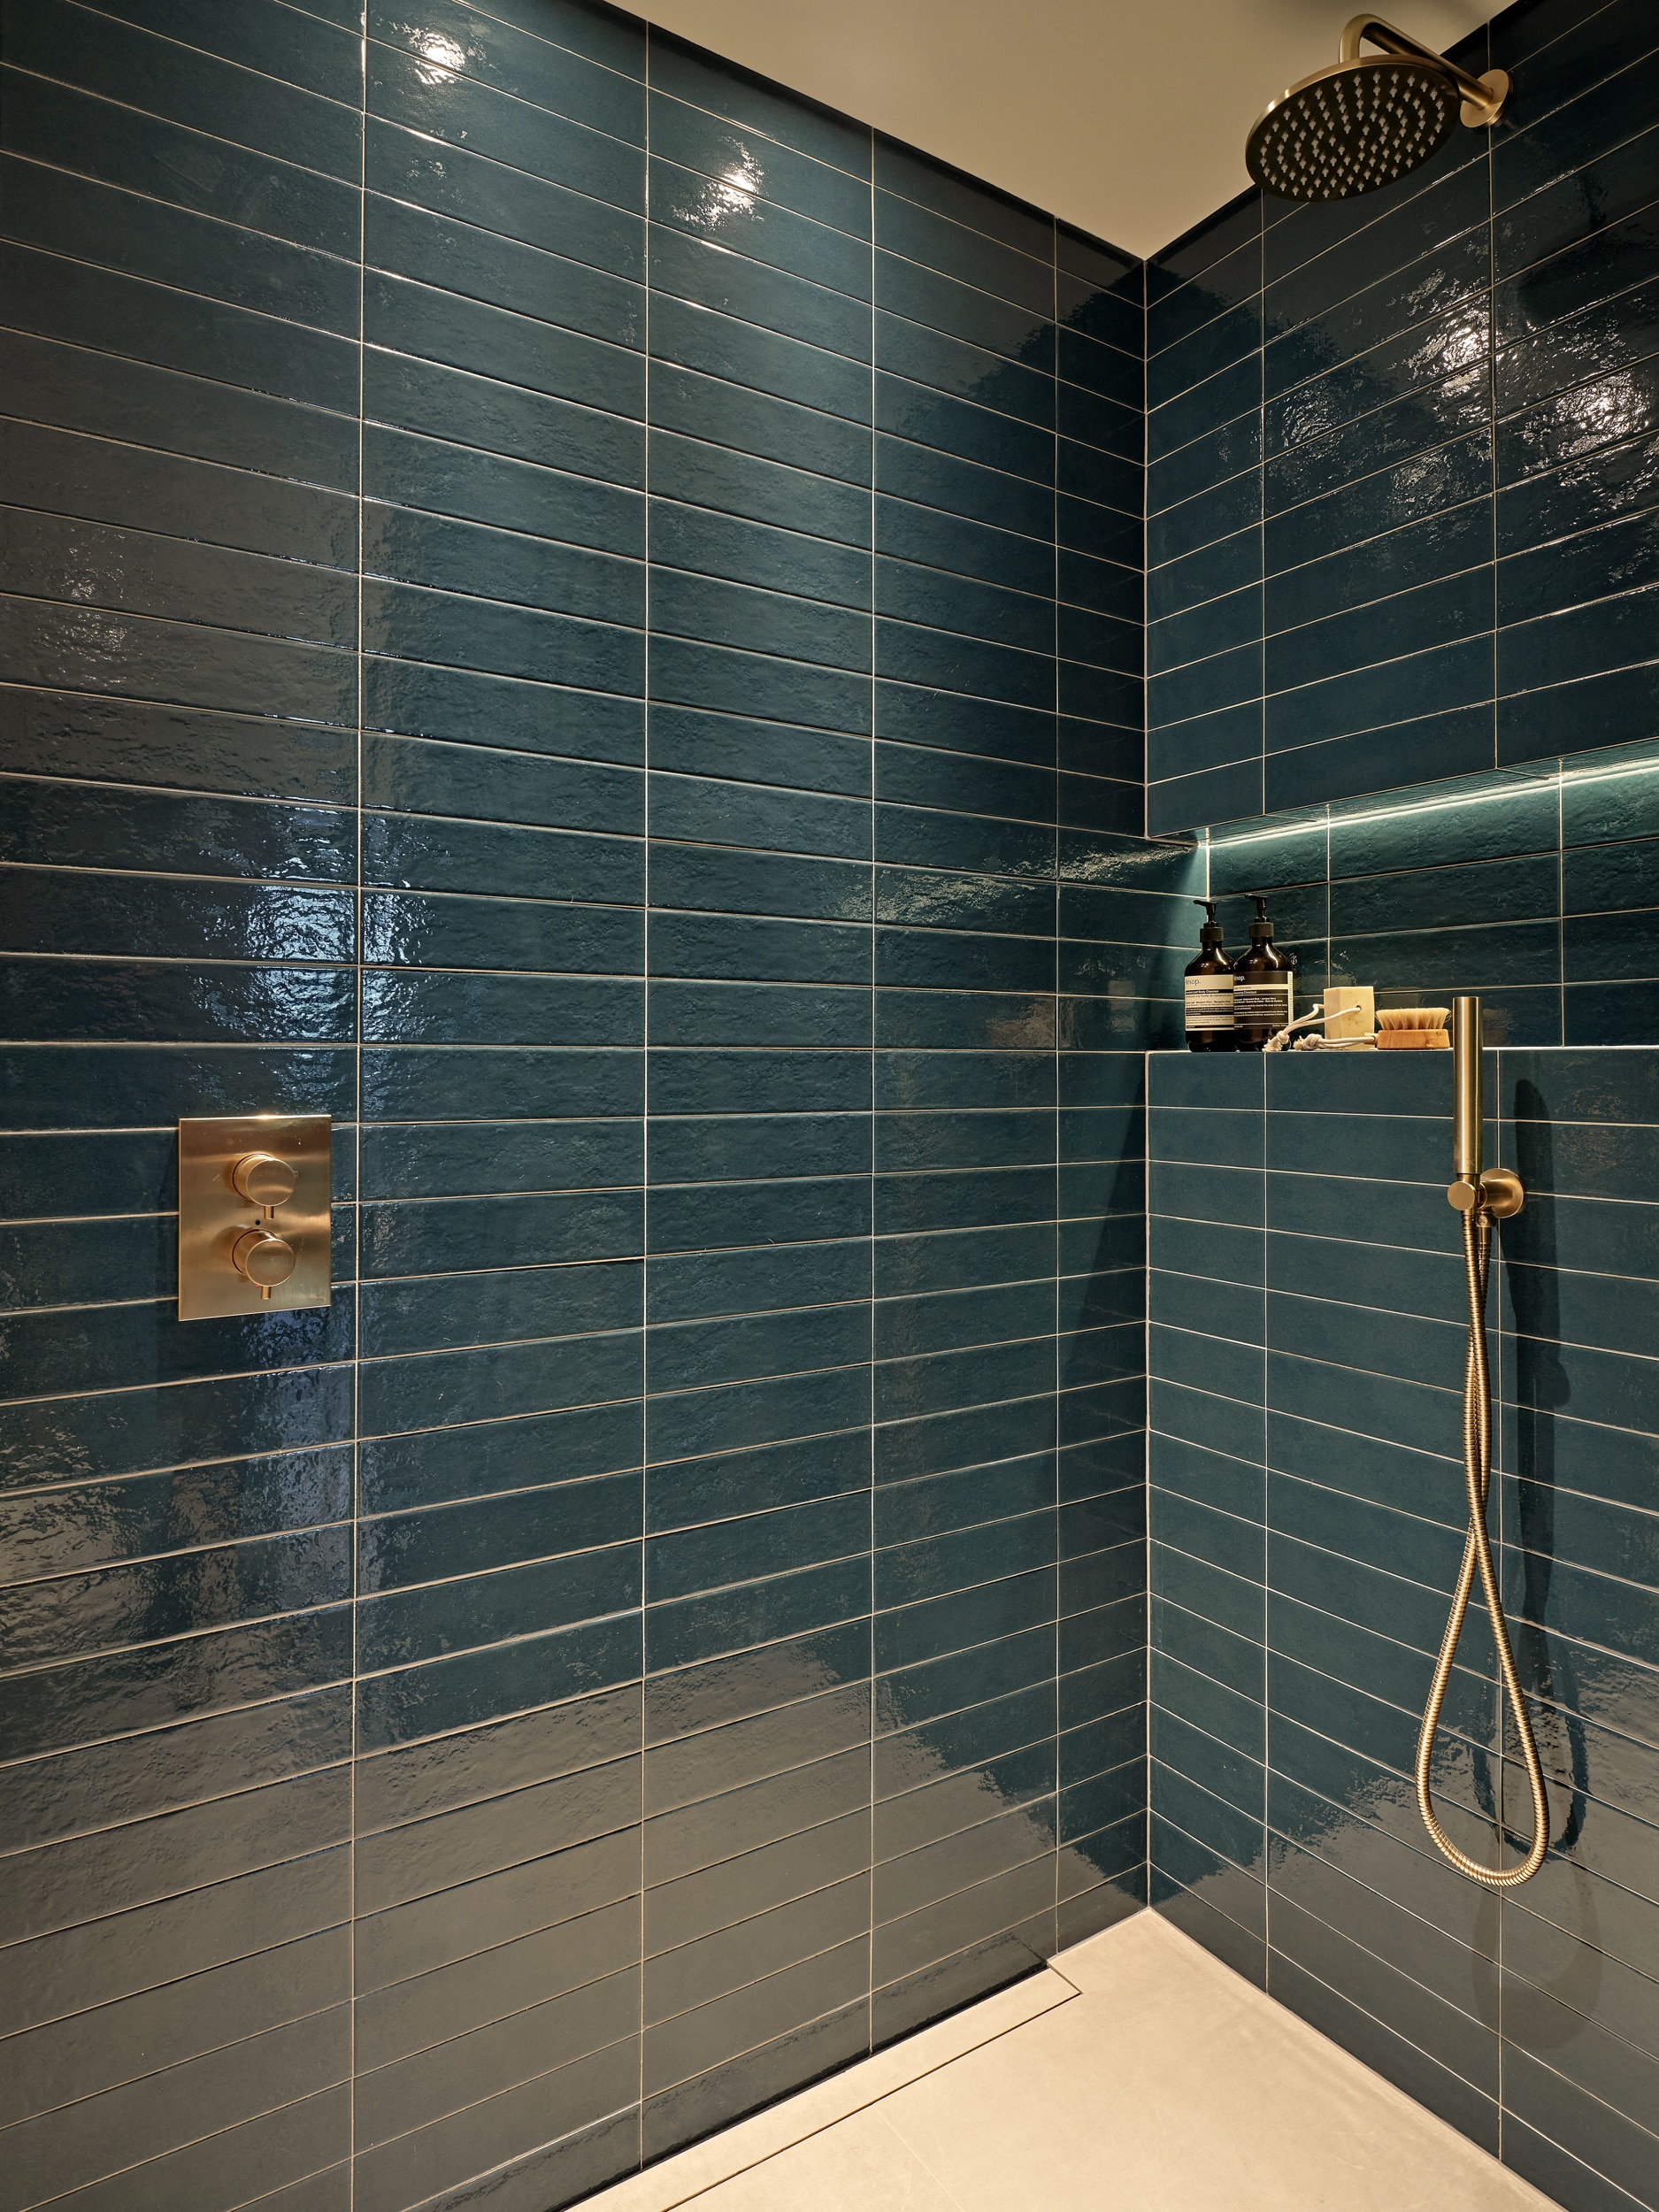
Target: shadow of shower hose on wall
[{"x": 1542, "y": 1388}]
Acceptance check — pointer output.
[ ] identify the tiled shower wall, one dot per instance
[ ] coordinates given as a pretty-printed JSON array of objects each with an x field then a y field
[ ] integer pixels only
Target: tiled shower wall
[
  {"x": 1403, "y": 610},
  {"x": 582, "y": 617},
  {"x": 1401, "y": 451},
  {"x": 1306, "y": 1511},
  {"x": 1537, "y": 888}
]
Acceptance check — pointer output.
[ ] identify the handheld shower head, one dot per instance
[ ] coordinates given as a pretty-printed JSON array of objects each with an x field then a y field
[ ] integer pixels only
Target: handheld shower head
[
  {"x": 1474, "y": 1188},
  {"x": 1366, "y": 119},
  {"x": 1482, "y": 1195}
]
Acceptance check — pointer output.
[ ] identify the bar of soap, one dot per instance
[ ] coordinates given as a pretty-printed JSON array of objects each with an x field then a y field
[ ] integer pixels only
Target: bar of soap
[{"x": 1350, "y": 1009}]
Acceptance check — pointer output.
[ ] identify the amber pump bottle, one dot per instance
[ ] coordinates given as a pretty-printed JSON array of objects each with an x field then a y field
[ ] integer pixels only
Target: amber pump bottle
[
  {"x": 1210, "y": 986},
  {"x": 1264, "y": 985}
]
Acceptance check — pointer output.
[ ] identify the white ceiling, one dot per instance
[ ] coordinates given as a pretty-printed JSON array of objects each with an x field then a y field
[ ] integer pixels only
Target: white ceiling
[{"x": 1125, "y": 116}]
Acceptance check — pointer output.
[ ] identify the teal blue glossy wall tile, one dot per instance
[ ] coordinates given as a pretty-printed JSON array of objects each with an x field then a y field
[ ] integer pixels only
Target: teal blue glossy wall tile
[
  {"x": 1356, "y": 1494},
  {"x": 1340, "y": 375},
  {"x": 736, "y": 1368},
  {"x": 1530, "y": 885}
]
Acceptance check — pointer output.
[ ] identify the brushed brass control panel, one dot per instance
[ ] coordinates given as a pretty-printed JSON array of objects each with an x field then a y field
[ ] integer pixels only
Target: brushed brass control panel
[{"x": 253, "y": 1214}]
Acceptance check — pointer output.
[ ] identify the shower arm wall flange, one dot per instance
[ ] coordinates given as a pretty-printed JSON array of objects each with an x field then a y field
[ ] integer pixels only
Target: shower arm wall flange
[{"x": 1482, "y": 97}]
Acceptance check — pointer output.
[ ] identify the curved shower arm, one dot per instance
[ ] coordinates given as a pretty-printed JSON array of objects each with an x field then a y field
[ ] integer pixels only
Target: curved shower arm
[{"x": 1360, "y": 27}]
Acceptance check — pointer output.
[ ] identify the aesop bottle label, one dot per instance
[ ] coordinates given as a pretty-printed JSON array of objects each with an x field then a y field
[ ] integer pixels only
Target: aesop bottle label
[
  {"x": 1209, "y": 1002},
  {"x": 1263, "y": 1004}
]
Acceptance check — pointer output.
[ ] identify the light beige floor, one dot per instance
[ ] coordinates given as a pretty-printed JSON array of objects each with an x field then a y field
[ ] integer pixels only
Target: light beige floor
[{"x": 1136, "y": 2075}]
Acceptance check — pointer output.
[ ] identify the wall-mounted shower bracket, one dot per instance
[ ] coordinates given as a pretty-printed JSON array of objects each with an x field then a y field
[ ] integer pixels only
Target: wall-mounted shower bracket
[
  {"x": 1475, "y": 1189},
  {"x": 1497, "y": 1192}
]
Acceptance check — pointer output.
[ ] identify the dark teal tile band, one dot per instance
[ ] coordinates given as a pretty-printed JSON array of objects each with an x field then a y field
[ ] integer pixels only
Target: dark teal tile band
[
  {"x": 1431, "y": 407},
  {"x": 616, "y": 605},
  {"x": 1305, "y": 1505}
]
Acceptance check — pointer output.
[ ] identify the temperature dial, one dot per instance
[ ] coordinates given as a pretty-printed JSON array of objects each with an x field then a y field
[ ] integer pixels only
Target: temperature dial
[
  {"x": 262, "y": 1258},
  {"x": 262, "y": 1180}
]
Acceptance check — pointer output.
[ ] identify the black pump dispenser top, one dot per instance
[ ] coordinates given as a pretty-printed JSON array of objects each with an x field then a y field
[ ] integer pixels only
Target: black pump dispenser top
[
  {"x": 1209, "y": 989},
  {"x": 1211, "y": 933},
  {"x": 1264, "y": 998}
]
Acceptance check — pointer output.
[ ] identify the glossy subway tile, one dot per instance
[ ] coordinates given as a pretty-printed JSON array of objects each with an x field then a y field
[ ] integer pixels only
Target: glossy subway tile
[
  {"x": 1327, "y": 1623},
  {"x": 843, "y": 1467}
]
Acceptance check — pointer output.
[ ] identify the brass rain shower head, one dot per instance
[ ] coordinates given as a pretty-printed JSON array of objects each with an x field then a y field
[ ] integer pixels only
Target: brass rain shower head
[{"x": 1366, "y": 119}]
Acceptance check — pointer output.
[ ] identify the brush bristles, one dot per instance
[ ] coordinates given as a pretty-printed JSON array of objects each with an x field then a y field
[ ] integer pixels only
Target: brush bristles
[{"x": 1412, "y": 1016}]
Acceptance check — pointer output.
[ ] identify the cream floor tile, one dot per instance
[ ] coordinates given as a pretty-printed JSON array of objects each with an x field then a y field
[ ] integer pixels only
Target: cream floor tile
[
  {"x": 1172, "y": 2085},
  {"x": 735, "y": 2148},
  {"x": 1137, "y": 2074},
  {"x": 858, "y": 2165}
]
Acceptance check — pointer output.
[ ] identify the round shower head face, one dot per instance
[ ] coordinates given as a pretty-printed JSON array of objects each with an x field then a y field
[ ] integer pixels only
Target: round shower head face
[{"x": 1352, "y": 128}]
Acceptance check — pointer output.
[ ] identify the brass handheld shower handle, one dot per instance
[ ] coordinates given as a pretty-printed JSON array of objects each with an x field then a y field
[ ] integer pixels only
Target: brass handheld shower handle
[
  {"x": 1480, "y": 1195},
  {"x": 1474, "y": 1188},
  {"x": 1467, "y": 1114}
]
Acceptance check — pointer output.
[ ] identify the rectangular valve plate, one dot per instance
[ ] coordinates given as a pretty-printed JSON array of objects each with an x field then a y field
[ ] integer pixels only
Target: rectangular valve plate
[{"x": 213, "y": 1216}]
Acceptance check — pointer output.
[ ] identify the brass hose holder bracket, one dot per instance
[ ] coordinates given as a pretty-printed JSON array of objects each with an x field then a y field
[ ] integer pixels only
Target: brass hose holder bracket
[{"x": 1497, "y": 1193}]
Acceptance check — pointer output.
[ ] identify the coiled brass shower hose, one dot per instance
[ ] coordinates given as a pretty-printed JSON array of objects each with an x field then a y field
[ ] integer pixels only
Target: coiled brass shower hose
[{"x": 1478, "y": 1555}]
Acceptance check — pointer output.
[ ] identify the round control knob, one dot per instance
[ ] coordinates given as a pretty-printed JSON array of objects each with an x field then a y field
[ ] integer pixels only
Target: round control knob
[
  {"x": 262, "y": 1180},
  {"x": 262, "y": 1258}
]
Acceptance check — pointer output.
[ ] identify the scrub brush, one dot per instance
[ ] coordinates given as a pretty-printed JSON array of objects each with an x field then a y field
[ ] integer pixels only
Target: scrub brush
[{"x": 1413, "y": 1028}]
